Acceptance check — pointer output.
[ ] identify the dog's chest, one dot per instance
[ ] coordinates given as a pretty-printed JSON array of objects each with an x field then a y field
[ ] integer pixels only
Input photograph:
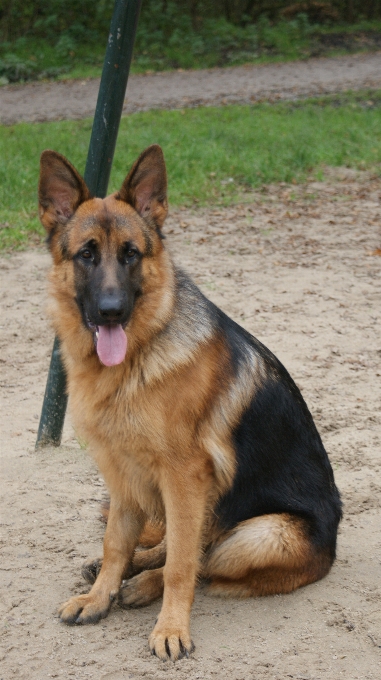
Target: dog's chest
[
  {"x": 124, "y": 416},
  {"x": 128, "y": 439}
]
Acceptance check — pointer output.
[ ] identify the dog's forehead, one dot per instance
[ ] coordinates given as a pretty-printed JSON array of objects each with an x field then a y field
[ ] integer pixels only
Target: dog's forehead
[{"x": 110, "y": 222}]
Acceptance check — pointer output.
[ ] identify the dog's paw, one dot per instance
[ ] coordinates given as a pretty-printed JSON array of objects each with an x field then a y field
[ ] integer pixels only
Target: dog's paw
[
  {"x": 141, "y": 589},
  {"x": 84, "y": 609},
  {"x": 90, "y": 570},
  {"x": 170, "y": 642}
]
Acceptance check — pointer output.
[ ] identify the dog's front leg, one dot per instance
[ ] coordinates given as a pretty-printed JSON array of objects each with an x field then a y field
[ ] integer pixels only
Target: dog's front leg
[
  {"x": 121, "y": 537},
  {"x": 185, "y": 496}
]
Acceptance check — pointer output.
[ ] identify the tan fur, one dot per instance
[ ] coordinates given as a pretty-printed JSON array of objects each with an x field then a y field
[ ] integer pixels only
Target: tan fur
[
  {"x": 265, "y": 555},
  {"x": 151, "y": 535},
  {"x": 142, "y": 589},
  {"x": 159, "y": 425}
]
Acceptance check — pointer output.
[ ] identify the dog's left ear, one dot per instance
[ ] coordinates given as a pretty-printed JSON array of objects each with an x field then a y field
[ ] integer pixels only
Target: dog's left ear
[
  {"x": 61, "y": 190},
  {"x": 145, "y": 187}
]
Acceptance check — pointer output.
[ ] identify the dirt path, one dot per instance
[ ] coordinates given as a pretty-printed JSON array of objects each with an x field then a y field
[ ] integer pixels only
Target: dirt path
[
  {"x": 304, "y": 276},
  {"x": 243, "y": 84}
]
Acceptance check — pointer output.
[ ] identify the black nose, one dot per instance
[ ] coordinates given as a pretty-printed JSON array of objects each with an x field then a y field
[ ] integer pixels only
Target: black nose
[{"x": 110, "y": 306}]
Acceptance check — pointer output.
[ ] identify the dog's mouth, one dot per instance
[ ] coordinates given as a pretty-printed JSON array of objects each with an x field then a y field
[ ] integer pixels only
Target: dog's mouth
[{"x": 110, "y": 342}]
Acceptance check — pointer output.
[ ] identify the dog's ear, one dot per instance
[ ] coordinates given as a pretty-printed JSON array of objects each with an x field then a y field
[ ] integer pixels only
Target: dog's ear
[
  {"x": 145, "y": 187},
  {"x": 61, "y": 190}
]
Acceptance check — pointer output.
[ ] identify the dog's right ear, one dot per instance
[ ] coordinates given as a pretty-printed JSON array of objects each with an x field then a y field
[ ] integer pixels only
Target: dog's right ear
[
  {"x": 61, "y": 190},
  {"x": 145, "y": 187}
]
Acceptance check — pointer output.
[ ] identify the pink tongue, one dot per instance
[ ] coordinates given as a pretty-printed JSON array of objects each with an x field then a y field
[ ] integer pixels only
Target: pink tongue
[{"x": 111, "y": 345}]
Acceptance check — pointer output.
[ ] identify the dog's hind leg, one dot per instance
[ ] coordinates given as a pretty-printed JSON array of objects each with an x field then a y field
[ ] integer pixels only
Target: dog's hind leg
[
  {"x": 147, "y": 582},
  {"x": 142, "y": 589},
  {"x": 266, "y": 555},
  {"x": 151, "y": 535},
  {"x": 121, "y": 537},
  {"x": 151, "y": 558},
  {"x": 90, "y": 569}
]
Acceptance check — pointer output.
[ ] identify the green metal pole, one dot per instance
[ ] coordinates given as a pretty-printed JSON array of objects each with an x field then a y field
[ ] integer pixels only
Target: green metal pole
[
  {"x": 55, "y": 402},
  {"x": 111, "y": 95},
  {"x": 104, "y": 134}
]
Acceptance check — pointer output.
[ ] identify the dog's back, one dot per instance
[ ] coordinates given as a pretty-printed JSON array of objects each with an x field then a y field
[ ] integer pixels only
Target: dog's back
[{"x": 280, "y": 464}]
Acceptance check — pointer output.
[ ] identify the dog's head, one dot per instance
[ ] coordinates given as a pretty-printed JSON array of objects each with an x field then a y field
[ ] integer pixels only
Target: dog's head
[{"x": 105, "y": 246}]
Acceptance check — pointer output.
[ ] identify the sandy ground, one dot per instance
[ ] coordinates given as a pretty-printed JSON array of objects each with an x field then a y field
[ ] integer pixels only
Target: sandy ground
[
  {"x": 298, "y": 267},
  {"x": 242, "y": 84}
]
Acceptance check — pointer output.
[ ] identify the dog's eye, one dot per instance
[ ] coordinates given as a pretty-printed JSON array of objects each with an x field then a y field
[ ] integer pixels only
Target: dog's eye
[
  {"x": 130, "y": 254},
  {"x": 86, "y": 254}
]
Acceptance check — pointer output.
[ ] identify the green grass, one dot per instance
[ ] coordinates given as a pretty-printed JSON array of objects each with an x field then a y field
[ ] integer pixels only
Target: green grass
[
  {"x": 32, "y": 59},
  {"x": 216, "y": 43},
  {"x": 214, "y": 155}
]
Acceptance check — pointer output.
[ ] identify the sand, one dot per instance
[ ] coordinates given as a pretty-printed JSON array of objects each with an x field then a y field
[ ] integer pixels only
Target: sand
[{"x": 299, "y": 267}]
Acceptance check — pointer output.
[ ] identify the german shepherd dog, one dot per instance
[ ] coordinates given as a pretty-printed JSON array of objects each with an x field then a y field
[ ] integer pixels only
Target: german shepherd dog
[{"x": 193, "y": 423}]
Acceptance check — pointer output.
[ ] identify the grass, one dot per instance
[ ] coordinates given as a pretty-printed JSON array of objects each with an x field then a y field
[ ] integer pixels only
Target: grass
[
  {"x": 214, "y": 155},
  {"x": 39, "y": 59},
  {"x": 217, "y": 43}
]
